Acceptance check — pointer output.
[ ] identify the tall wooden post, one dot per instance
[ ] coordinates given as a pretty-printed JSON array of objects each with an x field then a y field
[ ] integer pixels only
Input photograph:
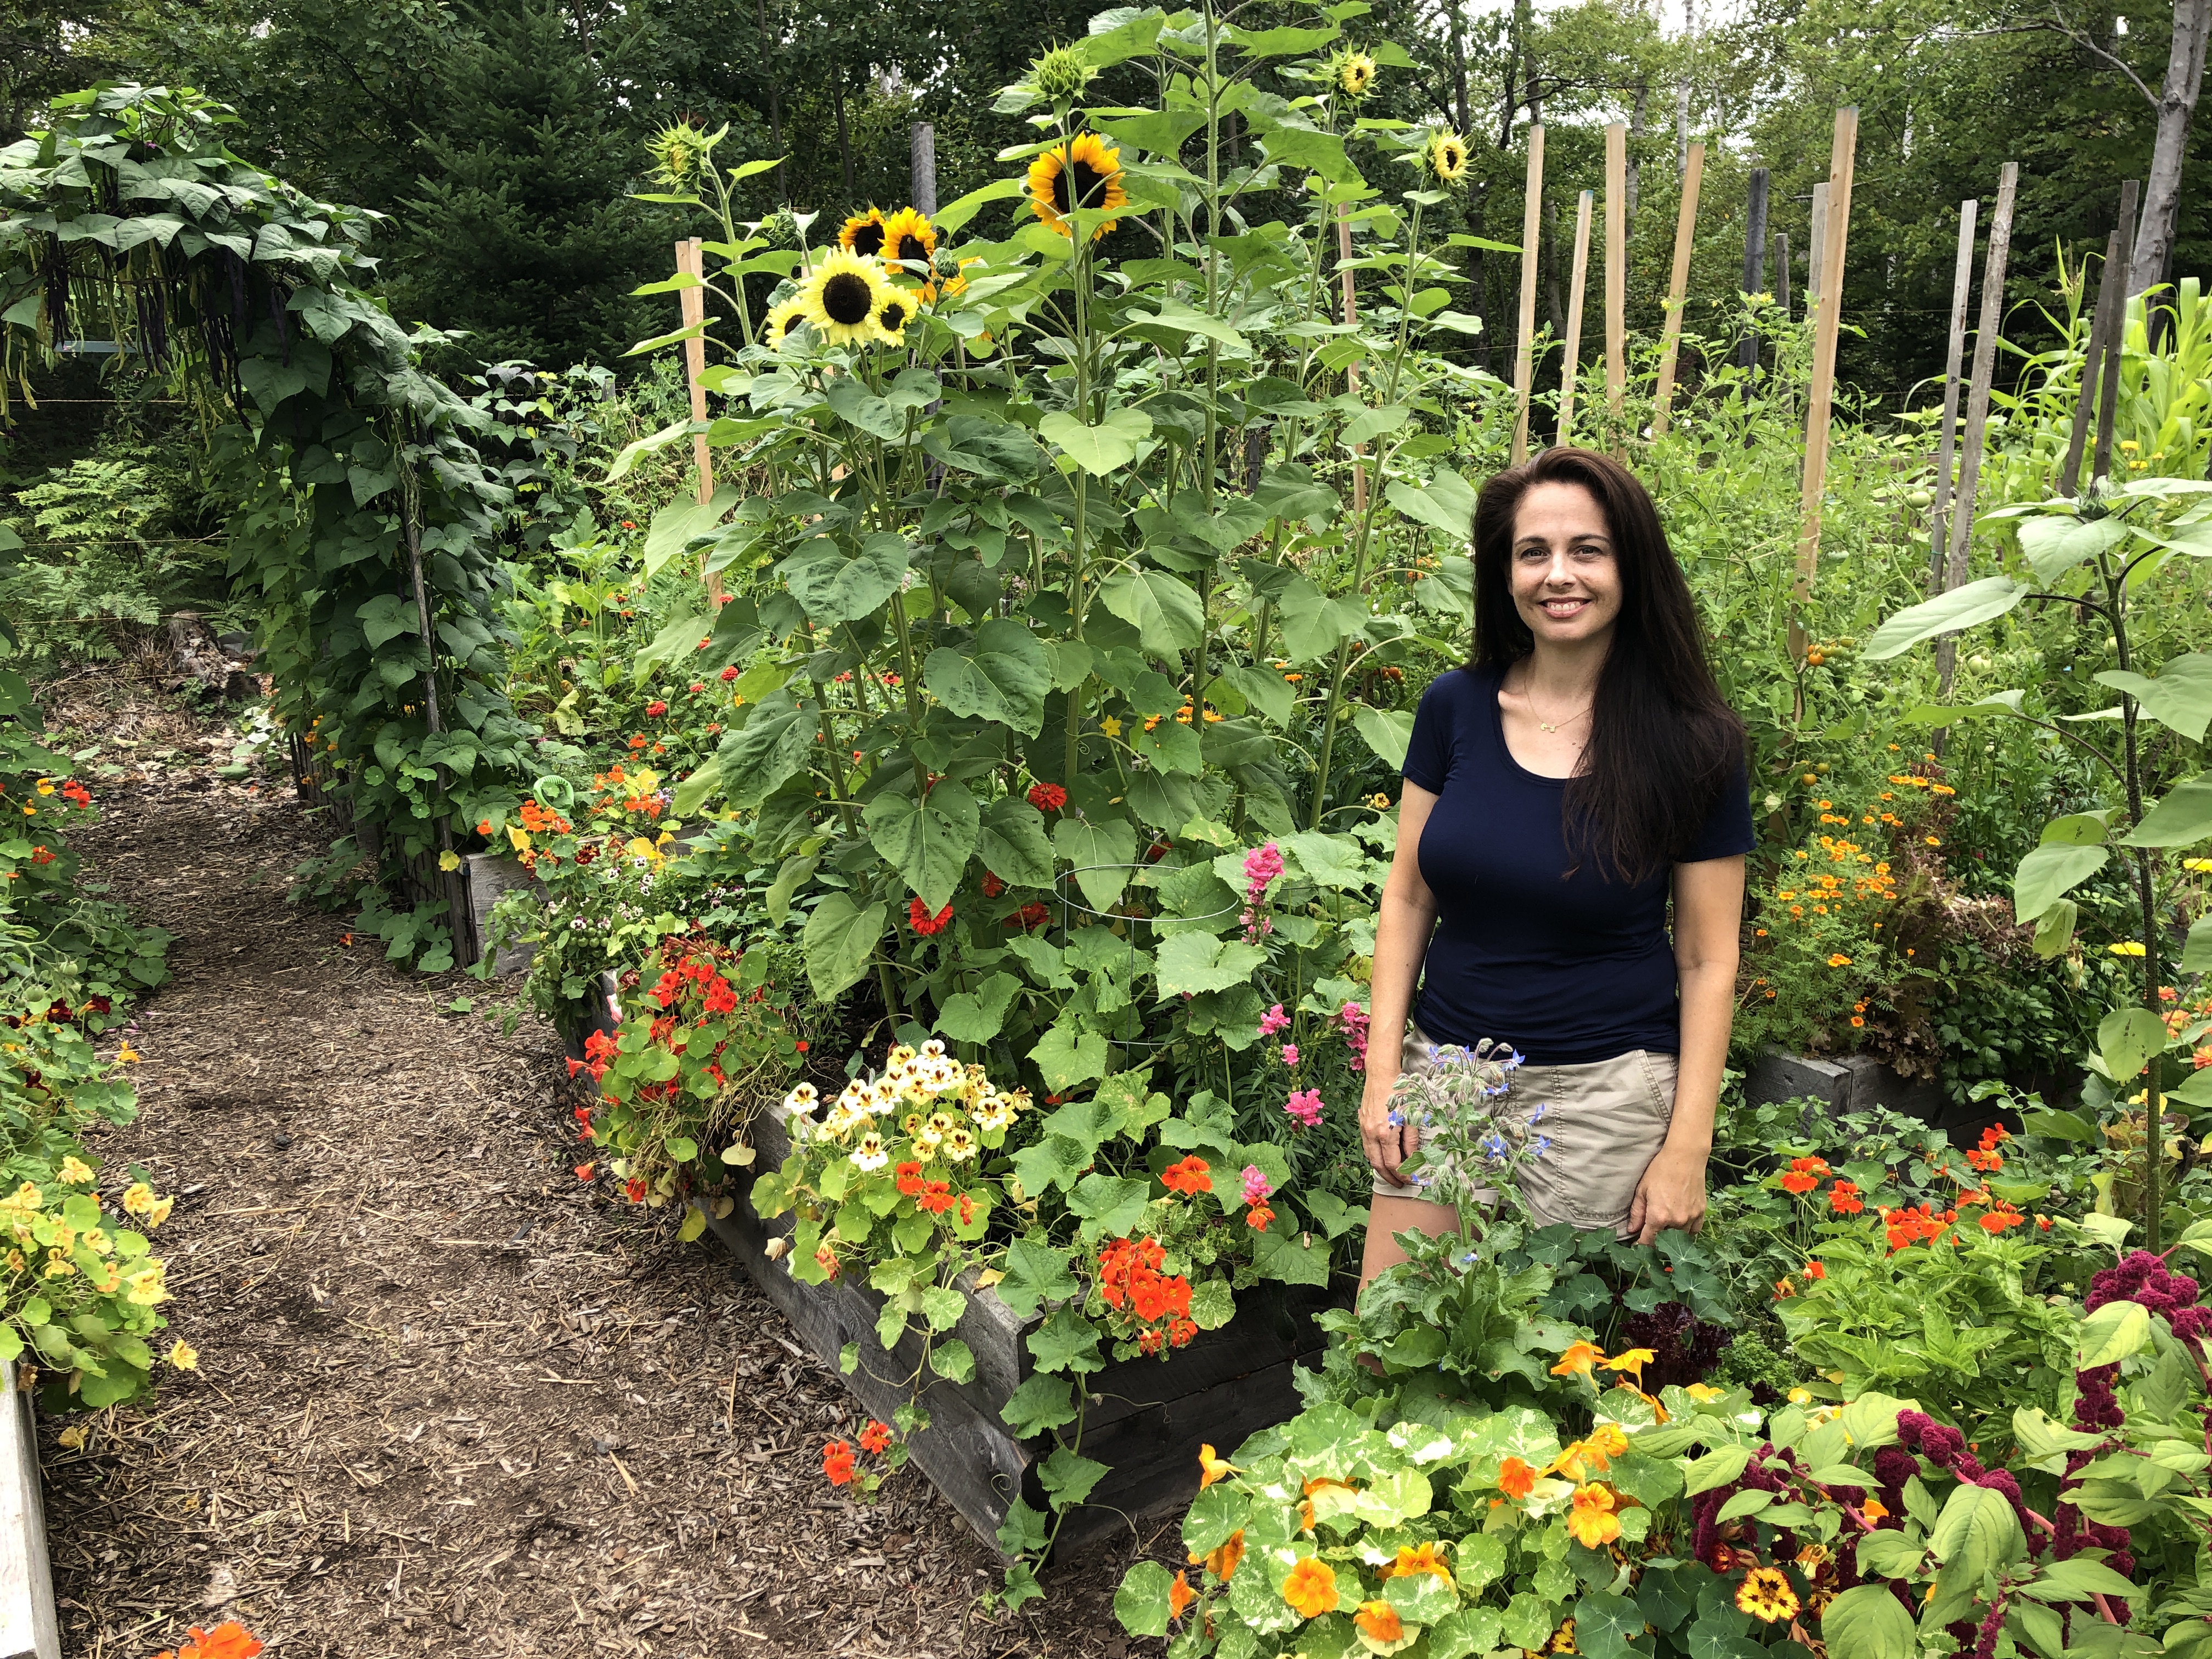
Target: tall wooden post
[
  {"x": 1754, "y": 261},
  {"x": 1577, "y": 290},
  {"x": 1616, "y": 267},
  {"x": 1678, "y": 284},
  {"x": 1524, "y": 361},
  {"x": 1978, "y": 407},
  {"x": 2092, "y": 363},
  {"x": 2116, "y": 333},
  {"x": 1812, "y": 248},
  {"x": 1782, "y": 271},
  {"x": 1947, "y": 445},
  {"x": 691, "y": 259},
  {"x": 922, "y": 161},
  {"x": 1351, "y": 369},
  {"x": 1832, "y": 234}
]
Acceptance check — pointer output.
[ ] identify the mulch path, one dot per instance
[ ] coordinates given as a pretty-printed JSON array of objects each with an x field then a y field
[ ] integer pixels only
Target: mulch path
[{"x": 448, "y": 1401}]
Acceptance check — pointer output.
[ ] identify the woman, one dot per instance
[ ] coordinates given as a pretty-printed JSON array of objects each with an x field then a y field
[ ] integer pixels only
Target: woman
[{"x": 1578, "y": 771}]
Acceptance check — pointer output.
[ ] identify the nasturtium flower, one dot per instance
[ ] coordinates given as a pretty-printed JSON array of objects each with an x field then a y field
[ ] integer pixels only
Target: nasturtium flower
[
  {"x": 1212, "y": 1469},
  {"x": 1311, "y": 1589},
  {"x": 1083, "y": 173},
  {"x": 183, "y": 1356},
  {"x": 1632, "y": 1361},
  {"x": 869, "y": 1154},
  {"x": 1591, "y": 1522},
  {"x": 1191, "y": 1176},
  {"x": 1415, "y": 1558},
  {"x": 1516, "y": 1478},
  {"x": 1180, "y": 1595},
  {"x": 75, "y": 1171},
  {"x": 1379, "y": 1622},
  {"x": 1704, "y": 1392},
  {"x": 843, "y": 296},
  {"x": 1766, "y": 1595},
  {"x": 1221, "y": 1561},
  {"x": 1578, "y": 1359}
]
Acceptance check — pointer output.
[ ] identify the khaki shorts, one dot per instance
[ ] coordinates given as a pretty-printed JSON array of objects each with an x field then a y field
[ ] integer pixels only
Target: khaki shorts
[{"x": 1606, "y": 1119}]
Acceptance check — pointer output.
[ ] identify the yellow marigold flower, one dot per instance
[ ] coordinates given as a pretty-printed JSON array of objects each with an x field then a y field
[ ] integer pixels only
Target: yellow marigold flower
[
  {"x": 1592, "y": 1521},
  {"x": 1839, "y": 960},
  {"x": 1311, "y": 1589},
  {"x": 75, "y": 1171},
  {"x": 183, "y": 1355}
]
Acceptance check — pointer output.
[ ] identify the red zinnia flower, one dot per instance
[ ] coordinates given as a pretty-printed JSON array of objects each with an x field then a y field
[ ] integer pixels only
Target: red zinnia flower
[
  {"x": 918, "y": 918},
  {"x": 655, "y": 709},
  {"x": 992, "y": 885},
  {"x": 730, "y": 672},
  {"x": 1048, "y": 796}
]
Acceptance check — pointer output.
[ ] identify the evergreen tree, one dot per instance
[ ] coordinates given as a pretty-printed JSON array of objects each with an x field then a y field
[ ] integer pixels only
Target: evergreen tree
[{"x": 523, "y": 231}]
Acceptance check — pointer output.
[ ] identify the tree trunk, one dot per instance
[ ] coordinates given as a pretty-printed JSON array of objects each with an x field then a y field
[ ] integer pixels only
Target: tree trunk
[
  {"x": 1638, "y": 124},
  {"x": 2177, "y": 106},
  {"x": 844, "y": 139}
]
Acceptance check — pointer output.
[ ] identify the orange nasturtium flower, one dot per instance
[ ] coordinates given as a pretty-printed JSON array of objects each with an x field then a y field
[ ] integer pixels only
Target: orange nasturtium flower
[
  {"x": 1180, "y": 1595},
  {"x": 1221, "y": 1561},
  {"x": 1578, "y": 1359},
  {"x": 1766, "y": 1595},
  {"x": 1592, "y": 1521},
  {"x": 1515, "y": 1479},
  {"x": 1634, "y": 1362},
  {"x": 1213, "y": 1468},
  {"x": 1421, "y": 1558},
  {"x": 1311, "y": 1589},
  {"x": 1380, "y": 1620}
]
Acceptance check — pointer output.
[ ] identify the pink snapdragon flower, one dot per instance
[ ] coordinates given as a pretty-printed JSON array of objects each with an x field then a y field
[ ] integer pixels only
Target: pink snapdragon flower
[
  {"x": 1291, "y": 1054},
  {"x": 1351, "y": 1019},
  {"x": 1304, "y": 1106},
  {"x": 1256, "y": 1185},
  {"x": 1262, "y": 866},
  {"x": 1274, "y": 1020}
]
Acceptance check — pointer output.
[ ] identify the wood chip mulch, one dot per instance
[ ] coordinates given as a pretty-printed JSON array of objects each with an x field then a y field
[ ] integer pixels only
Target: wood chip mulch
[{"x": 449, "y": 1401}]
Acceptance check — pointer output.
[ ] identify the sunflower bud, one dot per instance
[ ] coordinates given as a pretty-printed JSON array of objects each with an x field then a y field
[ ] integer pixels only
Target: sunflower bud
[
  {"x": 676, "y": 151},
  {"x": 1060, "y": 75},
  {"x": 1352, "y": 74},
  {"x": 780, "y": 229},
  {"x": 1444, "y": 158}
]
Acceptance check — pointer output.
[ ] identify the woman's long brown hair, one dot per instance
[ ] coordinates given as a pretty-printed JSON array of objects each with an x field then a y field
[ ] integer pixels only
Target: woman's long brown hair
[{"x": 1663, "y": 741}]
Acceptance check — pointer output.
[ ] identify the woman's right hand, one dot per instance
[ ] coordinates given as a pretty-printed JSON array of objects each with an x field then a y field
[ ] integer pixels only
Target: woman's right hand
[{"x": 1387, "y": 1144}]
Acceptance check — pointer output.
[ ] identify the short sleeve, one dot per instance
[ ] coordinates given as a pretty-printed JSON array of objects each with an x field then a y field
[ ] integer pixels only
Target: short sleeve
[
  {"x": 1428, "y": 757},
  {"x": 1728, "y": 832}
]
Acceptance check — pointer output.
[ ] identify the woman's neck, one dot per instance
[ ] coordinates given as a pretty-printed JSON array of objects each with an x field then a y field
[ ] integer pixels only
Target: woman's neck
[{"x": 1562, "y": 674}]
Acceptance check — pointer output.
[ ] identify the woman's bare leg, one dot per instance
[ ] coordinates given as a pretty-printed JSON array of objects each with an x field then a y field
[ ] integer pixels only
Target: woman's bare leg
[{"x": 1388, "y": 1216}]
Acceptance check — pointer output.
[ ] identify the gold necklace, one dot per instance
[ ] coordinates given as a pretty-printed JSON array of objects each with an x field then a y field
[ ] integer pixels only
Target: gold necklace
[{"x": 1528, "y": 695}]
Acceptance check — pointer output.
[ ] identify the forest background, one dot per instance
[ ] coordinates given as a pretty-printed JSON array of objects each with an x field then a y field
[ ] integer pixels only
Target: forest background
[{"x": 503, "y": 139}]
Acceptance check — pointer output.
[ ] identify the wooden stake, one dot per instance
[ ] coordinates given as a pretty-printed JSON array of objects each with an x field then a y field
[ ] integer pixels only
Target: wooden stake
[
  {"x": 1576, "y": 292},
  {"x": 1814, "y": 248},
  {"x": 1782, "y": 271},
  {"x": 1833, "y": 227},
  {"x": 1946, "y": 445},
  {"x": 1978, "y": 407},
  {"x": 2116, "y": 339},
  {"x": 1754, "y": 260},
  {"x": 2092, "y": 363},
  {"x": 1678, "y": 285},
  {"x": 690, "y": 258},
  {"x": 1616, "y": 267},
  {"x": 1524, "y": 361}
]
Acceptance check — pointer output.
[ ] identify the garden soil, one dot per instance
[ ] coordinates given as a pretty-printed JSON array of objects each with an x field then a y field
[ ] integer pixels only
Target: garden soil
[{"x": 450, "y": 1400}]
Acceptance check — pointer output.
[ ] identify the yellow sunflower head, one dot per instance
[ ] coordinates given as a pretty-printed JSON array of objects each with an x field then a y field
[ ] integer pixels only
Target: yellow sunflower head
[
  {"x": 1353, "y": 73},
  {"x": 909, "y": 240},
  {"x": 841, "y": 298},
  {"x": 864, "y": 233},
  {"x": 1083, "y": 173},
  {"x": 1444, "y": 158},
  {"x": 894, "y": 311},
  {"x": 780, "y": 319}
]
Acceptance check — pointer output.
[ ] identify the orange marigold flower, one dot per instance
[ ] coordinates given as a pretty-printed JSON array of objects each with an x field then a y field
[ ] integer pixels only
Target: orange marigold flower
[{"x": 1311, "y": 1589}]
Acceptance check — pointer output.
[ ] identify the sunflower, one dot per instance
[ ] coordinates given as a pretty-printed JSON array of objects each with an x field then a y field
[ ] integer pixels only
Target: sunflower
[
  {"x": 843, "y": 296},
  {"x": 1766, "y": 1595},
  {"x": 893, "y": 312},
  {"x": 863, "y": 234},
  {"x": 1355, "y": 74},
  {"x": 1444, "y": 158},
  {"x": 780, "y": 319},
  {"x": 1096, "y": 167},
  {"x": 910, "y": 238}
]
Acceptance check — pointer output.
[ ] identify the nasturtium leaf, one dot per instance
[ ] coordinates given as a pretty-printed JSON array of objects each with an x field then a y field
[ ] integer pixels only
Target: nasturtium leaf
[
  {"x": 1608, "y": 1626},
  {"x": 926, "y": 840},
  {"x": 953, "y": 1360},
  {"x": 1948, "y": 613},
  {"x": 1141, "y": 1602},
  {"x": 1001, "y": 674},
  {"x": 1470, "y": 1631},
  {"x": 1214, "y": 1515},
  {"x": 839, "y": 941}
]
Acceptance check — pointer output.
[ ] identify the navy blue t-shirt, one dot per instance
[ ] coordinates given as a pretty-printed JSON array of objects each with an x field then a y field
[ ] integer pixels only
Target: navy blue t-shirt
[{"x": 1568, "y": 971}]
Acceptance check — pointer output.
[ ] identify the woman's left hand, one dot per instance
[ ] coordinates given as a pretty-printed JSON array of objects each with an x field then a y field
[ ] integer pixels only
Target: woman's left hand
[{"x": 1671, "y": 1194}]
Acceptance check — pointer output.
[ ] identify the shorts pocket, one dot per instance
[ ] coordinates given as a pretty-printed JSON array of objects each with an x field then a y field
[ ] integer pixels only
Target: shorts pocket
[{"x": 1610, "y": 1124}]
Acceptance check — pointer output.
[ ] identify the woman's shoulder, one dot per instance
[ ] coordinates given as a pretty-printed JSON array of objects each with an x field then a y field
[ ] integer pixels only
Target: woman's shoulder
[{"x": 1458, "y": 690}]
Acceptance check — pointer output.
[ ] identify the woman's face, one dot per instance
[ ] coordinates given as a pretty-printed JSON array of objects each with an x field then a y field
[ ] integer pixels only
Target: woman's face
[{"x": 1564, "y": 581}]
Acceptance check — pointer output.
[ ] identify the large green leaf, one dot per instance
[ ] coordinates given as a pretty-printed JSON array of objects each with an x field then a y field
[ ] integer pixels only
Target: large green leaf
[
  {"x": 683, "y": 521},
  {"x": 926, "y": 840},
  {"x": 1868, "y": 1622},
  {"x": 1388, "y": 732},
  {"x": 1001, "y": 674},
  {"x": 1195, "y": 962},
  {"x": 1161, "y": 608},
  {"x": 839, "y": 939},
  {"x": 853, "y": 402},
  {"x": 2184, "y": 817},
  {"x": 2116, "y": 1331},
  {"x": 835, "y": 585},
  {"x": 2127, "y": 1038},
  {"x": 1161, "y": 131},
  {"x": 1100, "y": 850},
  {"x": 979, "y": 1015},
  {"x": 1012, "y": 845},
  {"x": 2197, "y": 948},
  {"x": 1977, "y": 1532},
  {"x": 1445, "y": 503},
  {"x": 2049, "y": 872},
  {"x": 2055, "y": 544},
  {"x": 755, "y": 760},
  {"x": 1065, "y": 1056},
  {"x": 2181, "y": 696},
  {"x": 1141, "y": 1602},
  {"x": 1098, "y": 449},
  {"x": 1960, "y": 608}
]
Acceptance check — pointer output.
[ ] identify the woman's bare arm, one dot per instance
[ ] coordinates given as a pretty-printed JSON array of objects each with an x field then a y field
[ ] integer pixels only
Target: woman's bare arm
[{"x": 1402, "y": 926}]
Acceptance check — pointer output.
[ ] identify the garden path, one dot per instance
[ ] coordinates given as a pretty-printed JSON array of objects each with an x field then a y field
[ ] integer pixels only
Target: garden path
[{"x": 448, "y": 1401}]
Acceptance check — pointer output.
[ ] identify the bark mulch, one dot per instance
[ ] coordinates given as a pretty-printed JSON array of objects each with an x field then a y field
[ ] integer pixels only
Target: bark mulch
[{"x": 448, "y": 1401}]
